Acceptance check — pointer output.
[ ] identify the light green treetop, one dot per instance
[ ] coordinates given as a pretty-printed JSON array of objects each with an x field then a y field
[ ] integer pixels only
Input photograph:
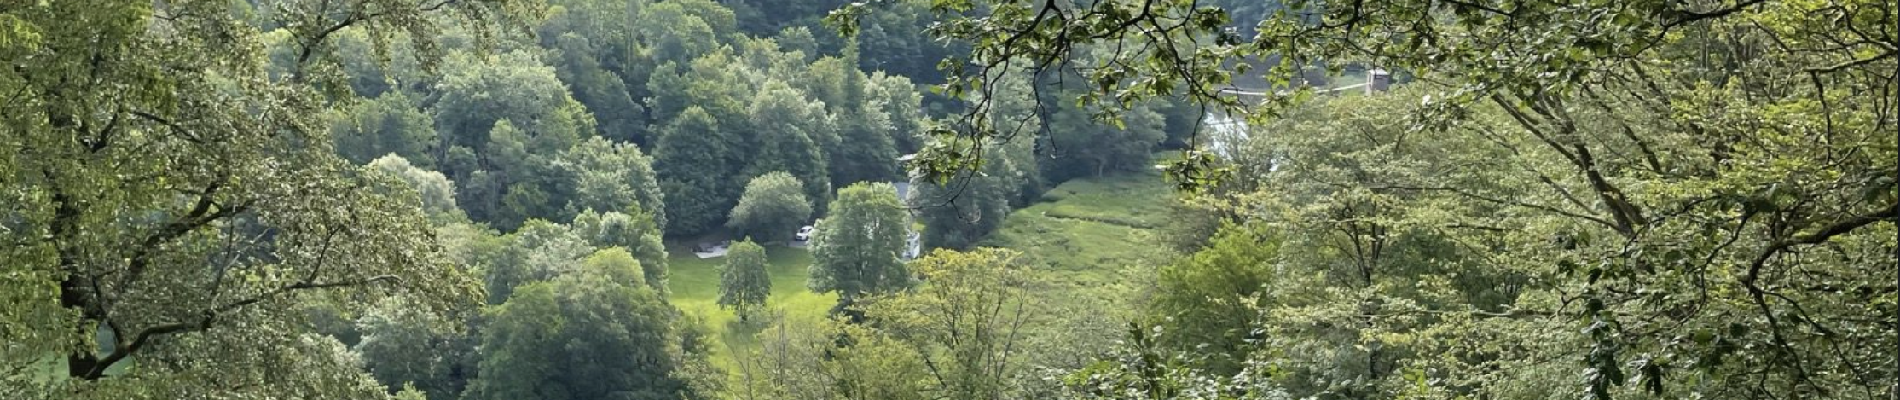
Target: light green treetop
[{"x": 856, "y": 248}]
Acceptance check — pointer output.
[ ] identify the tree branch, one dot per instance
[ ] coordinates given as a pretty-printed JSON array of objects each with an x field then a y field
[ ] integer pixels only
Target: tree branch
[{"x": 211, "y": 315}]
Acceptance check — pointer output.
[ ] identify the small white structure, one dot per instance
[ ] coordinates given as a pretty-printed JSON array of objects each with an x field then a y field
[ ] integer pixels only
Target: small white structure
[
  {"x": 1378, "y": 80},
  {"x": 712, "y": 250},
  {"x": 913, "y": 245}
]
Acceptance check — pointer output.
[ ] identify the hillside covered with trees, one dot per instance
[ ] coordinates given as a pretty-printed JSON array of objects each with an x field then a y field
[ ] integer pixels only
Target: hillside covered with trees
[{"x": 949, "y": 199}]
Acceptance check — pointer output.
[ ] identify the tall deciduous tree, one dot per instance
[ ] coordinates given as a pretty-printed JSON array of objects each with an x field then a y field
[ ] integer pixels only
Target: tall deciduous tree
[
  {"x": 635, "y": 232},
  {"x": 597, "y": 333},
  {"x": 969, "y": 322},
  {"x": 436, "y": 191},
  {"x": 505, "y": 120},
  {"x": 605, "y": 94},
  {"x": 168, "y": 195},
  {"x": 539, "y": 251},
  {"x": 959, "y": 213},
  {"x": 403, "y": 346},
  {"x": 1081, "y": 147},
  {"x": 389, "y": 124},
  {"x": 1213, "y": 297},
  {"x": 696, "y": 161},
  {"x": 744, "y": 284},
  {"x": 774, "y": 205},
  {"x": 610, "y": 177},
  {"x": 857, "y": 248},
  {"x": 786, "y": 132}
]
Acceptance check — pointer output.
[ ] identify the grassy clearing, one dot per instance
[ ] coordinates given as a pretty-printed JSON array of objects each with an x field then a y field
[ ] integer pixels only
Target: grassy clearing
[
  {"x": 1092, "y": 242},
  {"x": 1086, "y": 232},
  {"x": 1086, "y": 235},
  {"x": 1138, "y": 202},
  {"x": 695, "y": 286}
]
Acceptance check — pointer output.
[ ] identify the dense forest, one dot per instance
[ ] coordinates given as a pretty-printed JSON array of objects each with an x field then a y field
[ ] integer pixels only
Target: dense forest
[{"x": 949, "y": 199}]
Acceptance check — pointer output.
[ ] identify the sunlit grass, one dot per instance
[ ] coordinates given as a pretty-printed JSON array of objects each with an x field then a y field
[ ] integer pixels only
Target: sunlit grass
[
  {"x": 695, "y": 286},
  {"x": 1086, "y": 232}
]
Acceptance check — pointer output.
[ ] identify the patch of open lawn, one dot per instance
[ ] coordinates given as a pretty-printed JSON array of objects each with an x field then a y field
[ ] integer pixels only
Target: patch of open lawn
[
  {"x": 695, "y": 290},
  {"x": 1086, "y": 232},
  {"x": 1089, "y": 236},
  {"x": 1093, "y": 243},
  {"x": 1136, "y": 201}
]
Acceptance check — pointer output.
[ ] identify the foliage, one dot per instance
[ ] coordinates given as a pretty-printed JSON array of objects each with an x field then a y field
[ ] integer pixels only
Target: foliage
[
  {"x": 389, "y": 124},
  {"x": 166, "y": 188},
  {"x": 540, "y": 251},
  {"x": 695, "y": 160},
  {"x": 743, "y": 283},
  {"x": 958, "y": 214},
  {"x": 1142, "y": 368},
  {"x": 596, "y": 333},
  {"x": 774, "y": 207},
  {"x": 967, "y": 322},
  {"x": 1211, "y": 298},
  {"x": 855, "y": 249},
  {"x": 408, "y": 349},
  {"x": 787, "y": 134},
  {"x": 636, "y": 233},
  {"x": 1618, "y": 199},
  {"x": 612, "y": 177},
  {"x": 436, "y": 191},
  {"x": 830, "y": 359},
  {"x": 1079, "y": 147},
  {"x": 507, "y": 119}
]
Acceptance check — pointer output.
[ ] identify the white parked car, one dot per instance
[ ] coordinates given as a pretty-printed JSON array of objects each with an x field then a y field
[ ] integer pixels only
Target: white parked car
[{"x": 804, "y": 233}]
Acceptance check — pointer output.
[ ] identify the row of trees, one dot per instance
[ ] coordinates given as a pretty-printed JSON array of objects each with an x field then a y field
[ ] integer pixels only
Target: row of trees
[{"x": 591, "y": 112}]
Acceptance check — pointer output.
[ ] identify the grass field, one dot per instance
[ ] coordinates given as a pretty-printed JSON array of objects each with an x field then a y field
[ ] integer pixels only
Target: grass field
[
  {"x": 1086, "y": 232},
  {"x": 695, "y": 286},
  {"x": 1085, "y": 235}
]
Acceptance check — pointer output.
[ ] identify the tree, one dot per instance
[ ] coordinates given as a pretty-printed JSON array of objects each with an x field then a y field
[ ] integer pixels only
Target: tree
[
  {"x": 373, "y": 70},
  {"x": 165, "y": 189},
  {"x": 515, "y": 86},
  {"x": 856, "y": 249},
  {"x": 774, "y": 205},
  {"x": 695, "y": 160},
  {"x": 787, "y": 129},
  {"x": 635, "y": 232},
  {"x": 902, "y": 105},
  {"x": 830, "y": 359},
  {"x": 968, "y": 322},
  {"x": 958, "y": 214},
  {"x": 505, "y": 120},
  {"x": 436, "y": 191},
  {"x": 1080, "y": 147},
  {"x": 539, "y": 251},
  {"x": 1211, "y": 299},
  {"x": 616, "y": 114},
  {"x": 609, "y": 176},
  {"x": 743, "y": 283},
  {"x": 406, "y": 348},
  {"x": 867, "y": 151},
  {"x": 389, "y": 124},
  {"x": 598, "y": 333}
]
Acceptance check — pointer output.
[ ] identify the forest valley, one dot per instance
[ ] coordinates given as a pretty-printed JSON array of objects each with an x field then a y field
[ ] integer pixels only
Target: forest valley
[{"x": 1113, "y": 199}]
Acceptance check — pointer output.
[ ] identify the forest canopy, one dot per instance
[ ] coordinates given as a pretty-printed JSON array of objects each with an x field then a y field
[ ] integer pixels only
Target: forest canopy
[{"x": 949, "y": 199}]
